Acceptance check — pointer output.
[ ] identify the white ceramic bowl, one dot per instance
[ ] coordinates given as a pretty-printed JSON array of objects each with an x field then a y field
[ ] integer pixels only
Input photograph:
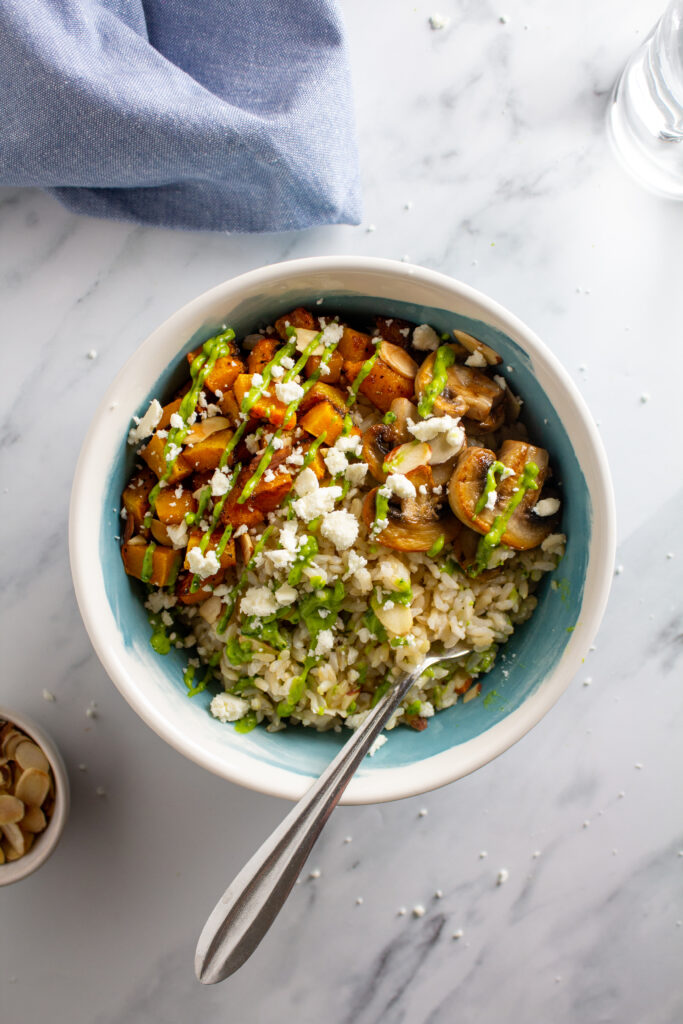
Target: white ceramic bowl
[
  {"x": 46, "y": 841},
  {"x": 549, "y": 647}
]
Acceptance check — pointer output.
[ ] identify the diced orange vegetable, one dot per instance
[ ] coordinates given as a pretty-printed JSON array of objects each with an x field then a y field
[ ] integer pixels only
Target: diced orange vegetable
[
  {"x": 241, "y": 514},
  {"x": 207, "y": 454},
  {"x": 324, "y": 393},
  {"x": 270, "y": 493},
  {"x": 354, "y": 346},
  {"x": 262, "y": 353},
  {"x": 334, "y": 367},
  {"x": 229, "y": 407},
  {"x": 266, "y": 407},
  {"x": 187, "y": 596},
  {"x": 226, "y": 560},
  {"x": 168, "y": 410},
  {"x": 382, "y": 385},
  {"x": 299, "y": 317},
  {"x": 317, "y": 465},
  {"x": 323, "y": 417},
  {"x": 171, "y": 508},
  {"x": 222, "y": 374},
  {"x": 165, "y": 561},
  {"x": 153, "y": 454},
  {"x": 136, "y": 495}
]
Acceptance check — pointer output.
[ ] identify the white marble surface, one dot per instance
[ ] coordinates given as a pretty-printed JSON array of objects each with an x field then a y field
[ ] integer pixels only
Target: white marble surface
[{"x": 493, "y": 131}]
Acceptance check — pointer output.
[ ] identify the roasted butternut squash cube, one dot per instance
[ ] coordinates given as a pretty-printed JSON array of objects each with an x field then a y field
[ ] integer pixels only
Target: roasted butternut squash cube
[
  {"x": 229, "y": 407},
  {"x": 299, "y": 317},
  {"x": 262, "y": 353},
  {"x": 324, "y": 393},
  {"x": 173, "y": 504},
  {"x": 266, "y": 407},
  {"x": 187, "y": 596},
  {"x": 207, "y": 454},
  {"x": 168, "y": 410},
  {"x": 136, "y": 495},
  {"x": 355, "y": 346},
  {"x": 270, "y": 494},
  {"x": 382, "y": 385},
  {"x": 323, "y": 418},
  {"x": 153, "y": 454},
  {"x": 165, "y": 561},
  {"x": 222, "y": 374},
  {"x": 334, "y": 368},
  {"x": 228, "y": 557}
]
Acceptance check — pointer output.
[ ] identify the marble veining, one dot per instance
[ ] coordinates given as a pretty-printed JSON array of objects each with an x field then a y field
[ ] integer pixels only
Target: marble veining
[{"x": 483, "y": 155}]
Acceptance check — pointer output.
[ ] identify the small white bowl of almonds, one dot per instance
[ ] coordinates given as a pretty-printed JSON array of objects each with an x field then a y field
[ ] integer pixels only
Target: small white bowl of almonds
[{"x": 34, "y": 796}]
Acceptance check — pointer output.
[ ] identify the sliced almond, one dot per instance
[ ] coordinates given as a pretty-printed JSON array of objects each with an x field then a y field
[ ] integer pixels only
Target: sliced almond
[
  {"x": 29, "y": 838},
  {"x": 304, "y": 337},
  {"x": 11, "y": 809},
  {"x": 443, "y": 451},
  {"x": 34, "y": 820},
  {"x": 10, "y": 853},
  {"x": 407, "y": 457},
  {"x": 29, "y": 755},
  {"x": 10, "y": 742},
  {"x": 15, "y": 838},
  {"x": 398, "y": 359},
  {"x": 473, "y": 345},
  {"x": 246, "y": 547},
  {"x": 204, "y": 428},
  {"x": 5, "y": 776},
  {"x": 2, "y": 855},
  {"x": 397, "y": 620},
  {"x": 210, "y": 609},
  {"x": 33, "y": 787},
  {"x": 473, "y": 692}
]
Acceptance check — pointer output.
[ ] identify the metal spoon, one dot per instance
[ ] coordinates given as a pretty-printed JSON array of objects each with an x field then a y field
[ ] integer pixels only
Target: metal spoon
[{"x": 253, "y": 900}]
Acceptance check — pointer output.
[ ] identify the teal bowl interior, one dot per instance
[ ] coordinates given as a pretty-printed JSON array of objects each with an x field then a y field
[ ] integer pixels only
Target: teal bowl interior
[{"x": 523, "y": 663}]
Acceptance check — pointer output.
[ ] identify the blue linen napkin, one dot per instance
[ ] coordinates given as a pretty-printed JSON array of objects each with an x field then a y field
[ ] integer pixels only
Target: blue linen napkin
[{"x": 232, "y": 115}]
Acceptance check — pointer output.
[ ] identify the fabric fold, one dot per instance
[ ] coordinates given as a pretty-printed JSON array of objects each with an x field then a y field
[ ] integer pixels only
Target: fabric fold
[{"x": 231, "y": 116}]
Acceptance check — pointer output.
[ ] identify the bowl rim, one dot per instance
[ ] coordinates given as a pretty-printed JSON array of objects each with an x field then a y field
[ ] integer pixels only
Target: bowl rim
[
  {"x": 15, "y": 870},
  {"x": 436, "y": 770}
]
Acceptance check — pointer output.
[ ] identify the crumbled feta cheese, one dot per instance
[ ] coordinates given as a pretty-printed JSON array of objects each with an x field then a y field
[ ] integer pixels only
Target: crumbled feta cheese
[
  {"x": 547, "y": 506},
  {"x": 276, "y": 443},
  {"x": 280, "y": 558},
  {"x": 228, "y": 708},
  {"x": 203, "y": 565},
  {"x": 178, "y": 535},
  {"x": 173, "y": 452},
  {"x": 285, "y": 594},
  {"x": 476, "y": 359},
  {"x": 256, "y": 380},
  {"x": 240, "y": 531},
  {"x": 220, "y": 482},
  {"x": 306, "y": 482},
  {"x": 268, "y": 476},
  {"x": 349, "y": 443},
  {"x": 427, "y": 430},
  {"x": 419, "y": 910},
  {"x": 341, "y": 528},
  {"x": 500, "y": 381},
  {"x": 316, "y": 503},
  {"x": 355, "y": 474},
  {"x": 355, "y": 562},
  {"x": 296, "y": 458},
  {"x": 503, "y": 876},
  {"x": 437, "y": 21},
  {"x": 288, "y": 536},
  {"x": 378, "y": 742},
  {"x": 491, "y": 500},
  {"x": 425, "y": 338},
  {"x": 145, "y": 425},
  {"x": 253, "y": 443},
  {"x": 177, "y": 421},
  {"x": 288, "y": 391},
  {"x": 335, "y": 461},
  {"x": 325, "y": 643},
  {"x": 332, "y": 334},
  {"x": 258, "y": 601},
  {"x": 287, "y": 362},
  {"x": 400, "y": 485},
  {"x": 277, "y": 371}
]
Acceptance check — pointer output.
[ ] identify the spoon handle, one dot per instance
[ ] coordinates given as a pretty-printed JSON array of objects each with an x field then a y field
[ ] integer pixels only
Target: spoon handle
[{"x": 252, "y": 901}]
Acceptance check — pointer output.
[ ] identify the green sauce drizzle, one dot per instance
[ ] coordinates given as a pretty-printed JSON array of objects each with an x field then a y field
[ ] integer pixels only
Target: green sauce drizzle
[
  {"x": 437, "y": 546},
  {"x": 491, "y": 540},
  {"x": 445, "y": 357},
  {"x": 489, "y": 486}
]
